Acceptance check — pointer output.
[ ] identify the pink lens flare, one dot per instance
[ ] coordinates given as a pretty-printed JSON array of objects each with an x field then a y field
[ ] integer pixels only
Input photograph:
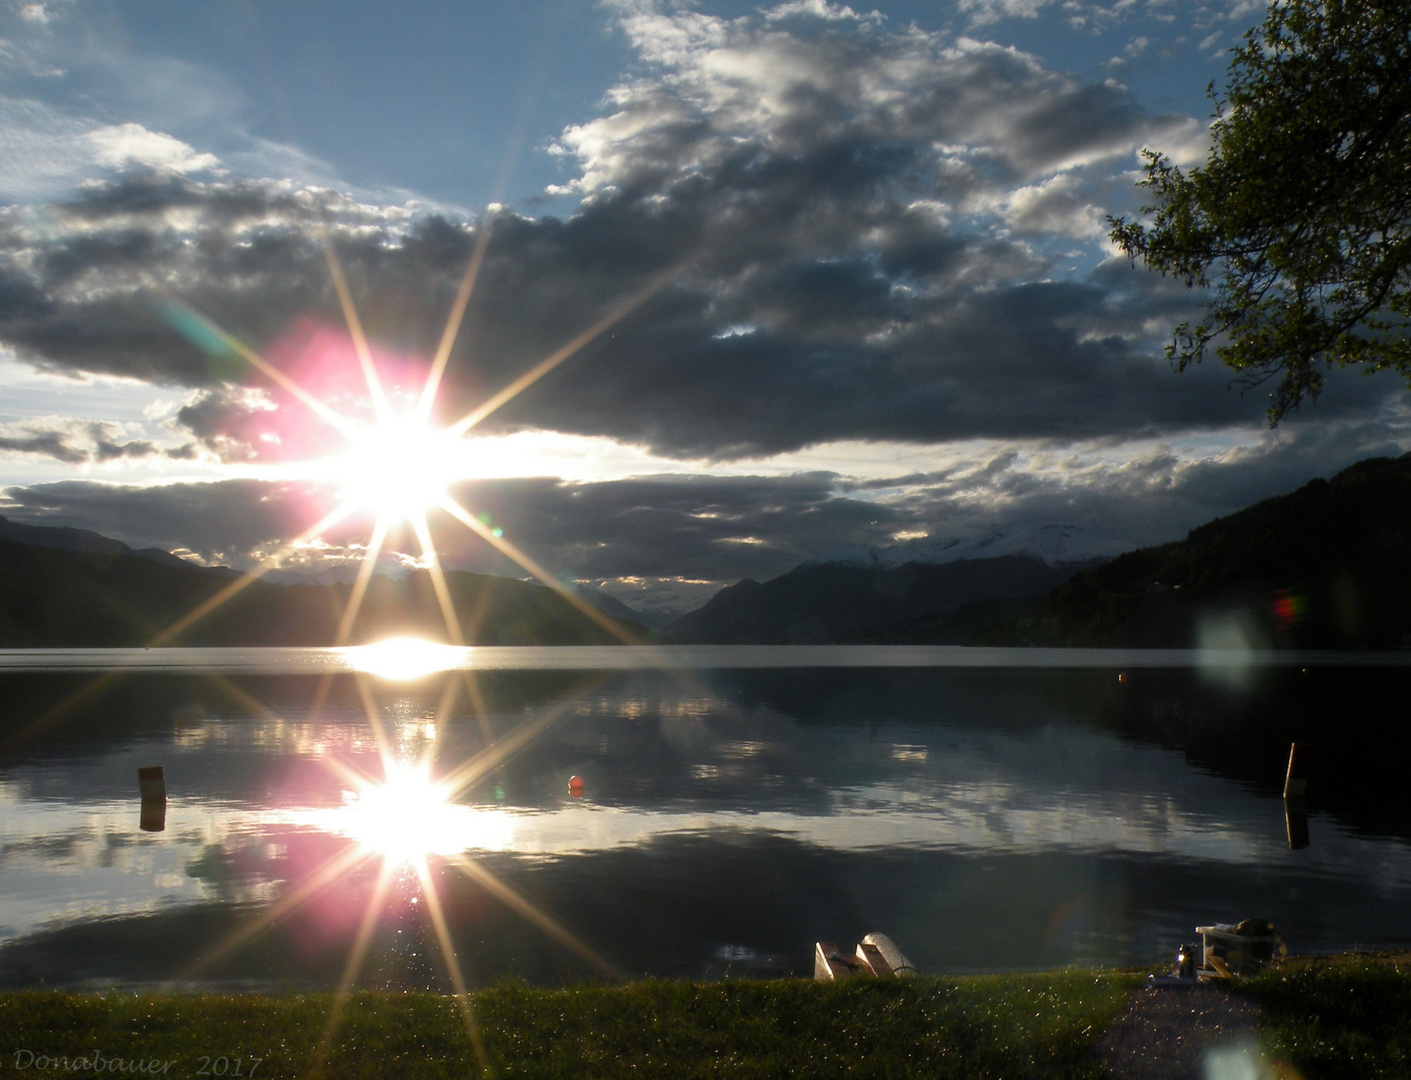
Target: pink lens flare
[{"x": 269, "y": 424}]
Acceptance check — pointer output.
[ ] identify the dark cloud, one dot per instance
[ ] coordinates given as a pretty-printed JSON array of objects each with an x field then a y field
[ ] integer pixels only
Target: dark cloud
[
  {"x": 78, "y": 442},
  {"x": 721, "y": 529},
  {"x": 1140, "y": 496},
  {"x": 221, "y": 419},
  {"x": 222, "y": 522},
  {"x": 705, "y": 527},
  {"x": 687, "y": 526},
  {"x": 99, "y": 284},
  {"x": 860, "y": 230},
  {"x": 48, "y": 443}
]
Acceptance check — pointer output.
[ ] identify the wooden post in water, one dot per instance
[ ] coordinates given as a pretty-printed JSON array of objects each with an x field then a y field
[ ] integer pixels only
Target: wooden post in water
[
  {"x": 153, "y": 817},
  {"x": 1300, "y": 762},
  {"x": 1295, "y": 788},
  {"x": 1296, "y": 823},
  {"x": 152, "y": 783}
]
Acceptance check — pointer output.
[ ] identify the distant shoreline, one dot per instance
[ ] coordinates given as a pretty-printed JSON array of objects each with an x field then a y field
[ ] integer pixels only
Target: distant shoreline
[{"x": 315, "y": 660}]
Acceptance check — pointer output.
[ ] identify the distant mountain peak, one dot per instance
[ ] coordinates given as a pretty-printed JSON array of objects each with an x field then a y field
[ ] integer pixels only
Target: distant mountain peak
[
  {"x": 67, "y": 538},
  {"x": 1054, "y": 545}
]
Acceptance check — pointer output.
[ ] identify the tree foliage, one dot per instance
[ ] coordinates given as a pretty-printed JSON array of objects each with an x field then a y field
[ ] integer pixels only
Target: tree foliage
[{"x": 1300, "y": 220}]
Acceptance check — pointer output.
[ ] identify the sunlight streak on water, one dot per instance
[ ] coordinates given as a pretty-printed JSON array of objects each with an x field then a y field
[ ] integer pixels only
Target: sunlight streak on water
[
  {"x": 430, "y": 657},
  {"x": 404, "y": 658}
]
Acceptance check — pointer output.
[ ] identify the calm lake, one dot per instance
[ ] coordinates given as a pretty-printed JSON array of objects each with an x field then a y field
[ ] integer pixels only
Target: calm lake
[{"x": 990, "y": 810}]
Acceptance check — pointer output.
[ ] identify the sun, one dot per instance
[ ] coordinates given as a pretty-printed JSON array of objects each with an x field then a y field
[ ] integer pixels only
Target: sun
[{"x": 399, "y": 467}]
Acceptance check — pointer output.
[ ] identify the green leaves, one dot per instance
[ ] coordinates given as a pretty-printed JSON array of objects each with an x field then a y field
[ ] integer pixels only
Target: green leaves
[{"x": 1300, "y": 220}]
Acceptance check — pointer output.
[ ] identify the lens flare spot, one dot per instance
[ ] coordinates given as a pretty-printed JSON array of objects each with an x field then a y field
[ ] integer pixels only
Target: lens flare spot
[
  {"x": 403, "y": 658},
  {"x": 1225, "y": 645},
  {"x": 1290, "y": 608}
]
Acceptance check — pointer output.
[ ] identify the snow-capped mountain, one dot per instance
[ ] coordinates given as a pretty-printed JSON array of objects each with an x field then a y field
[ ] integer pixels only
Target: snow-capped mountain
[{"x": 1053, "y": 544}]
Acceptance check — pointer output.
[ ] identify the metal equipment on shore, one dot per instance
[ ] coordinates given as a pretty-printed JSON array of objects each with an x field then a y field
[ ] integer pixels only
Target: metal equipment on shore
[{"x": 877, "y": 956}]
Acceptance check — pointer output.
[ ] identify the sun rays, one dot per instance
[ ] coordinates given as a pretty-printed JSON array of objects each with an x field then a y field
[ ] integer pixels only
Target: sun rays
[
  {"x": 404, "y": 824},
  {"x": 400, "y": 467},
  {"x": 395, "y": 465}
]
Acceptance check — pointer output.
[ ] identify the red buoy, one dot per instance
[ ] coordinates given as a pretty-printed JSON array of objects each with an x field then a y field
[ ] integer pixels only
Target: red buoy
[{"x": 575, "y": 786}]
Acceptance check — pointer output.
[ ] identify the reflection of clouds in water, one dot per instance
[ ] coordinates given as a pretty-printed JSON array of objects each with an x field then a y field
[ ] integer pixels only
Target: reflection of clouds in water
[
  {"x": 341, "y": 732},
  {"x": 978, "y": 822},
  {"x": 274, "y": 733},
  {"x": 1058, "y": 787},
  {"x": 742, "y": 748},
  {"x": 61, "y": 864},
  {"x": 1052, "y": 796}
]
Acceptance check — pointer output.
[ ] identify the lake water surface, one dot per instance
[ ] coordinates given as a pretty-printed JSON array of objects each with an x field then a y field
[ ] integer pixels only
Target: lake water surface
[{"x": 1025, "y": 809}]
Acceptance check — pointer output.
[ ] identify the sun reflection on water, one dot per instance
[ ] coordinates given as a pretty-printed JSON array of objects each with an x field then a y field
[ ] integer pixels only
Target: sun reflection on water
[
  {"x": 407, "y": 816},
  {"x": 403, "y": 658},
  {"x": 400, "y": 464}
]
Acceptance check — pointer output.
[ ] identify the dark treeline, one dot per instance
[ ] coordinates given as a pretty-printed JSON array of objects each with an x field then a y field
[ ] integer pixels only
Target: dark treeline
[
  {"x": 58, "y": 599},
  {"x": 1325, "y": 567}
]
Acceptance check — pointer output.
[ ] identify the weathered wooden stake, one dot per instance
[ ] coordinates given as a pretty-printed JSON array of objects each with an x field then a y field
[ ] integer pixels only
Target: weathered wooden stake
[
  {"x": 154, "y": 816},
  {"x": 1296, "y": 822},
  {"x": 1300, "y": 764},
  {"x": 152, "y": 782}
]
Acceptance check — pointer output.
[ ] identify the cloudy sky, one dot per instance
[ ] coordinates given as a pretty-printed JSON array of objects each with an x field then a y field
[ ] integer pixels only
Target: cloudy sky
[{"x": 805, "y": 276}]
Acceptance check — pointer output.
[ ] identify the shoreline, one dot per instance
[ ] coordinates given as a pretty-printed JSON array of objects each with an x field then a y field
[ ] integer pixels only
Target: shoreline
[{"x": 1320, "y": 1015}]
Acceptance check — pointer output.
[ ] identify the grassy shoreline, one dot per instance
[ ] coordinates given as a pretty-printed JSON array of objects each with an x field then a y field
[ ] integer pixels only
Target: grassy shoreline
[{"x": 1327, "y": 1017}]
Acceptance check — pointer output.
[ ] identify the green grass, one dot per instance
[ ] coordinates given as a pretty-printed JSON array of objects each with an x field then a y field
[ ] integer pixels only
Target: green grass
[
  {"x": 1030, "y": 1025},
  {"x": 1347, "y": 1018},
  {"x": 1335, "y": 1019}
]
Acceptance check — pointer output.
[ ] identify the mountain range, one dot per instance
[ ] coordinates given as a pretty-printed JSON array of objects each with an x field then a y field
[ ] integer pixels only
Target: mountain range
[
  {"x": 76, "y": 596},
  {"x": 847, "y": 600},
  {"x": 1055, "y": 545},
  {"x": 1326, "y": 566},
  {"x": 857, "y": 592},
  {"x": 1323, "y": 567},
  {"x": 64, "y": 538}
]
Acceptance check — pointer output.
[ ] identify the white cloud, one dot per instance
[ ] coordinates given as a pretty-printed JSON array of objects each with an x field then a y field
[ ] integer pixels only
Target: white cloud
[
  {"x": 985, "y": 12},
  {"x": 723, "y": 85},
  {"x": 34, "y": 13},
  {"x": 1056, "y": 206},
  {"x": 817, "y": 9},
  {"x": 1185, "y": 142},
  {"x": 84, "y": 442},
  {"x": 668, "y": 39},
  {"x": 125, "y": 145},
  {"x": 46, "y": 153}
]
